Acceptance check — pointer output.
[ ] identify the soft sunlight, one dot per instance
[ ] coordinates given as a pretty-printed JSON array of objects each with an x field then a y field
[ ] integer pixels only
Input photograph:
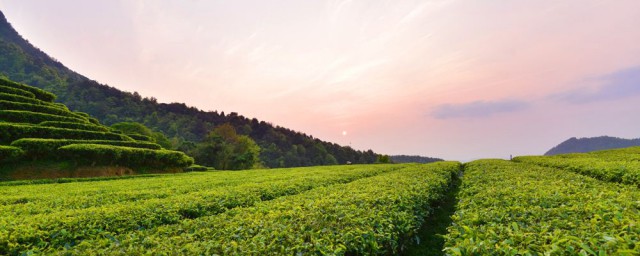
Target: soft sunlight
[
  {"x": 449, "y": 78},
  {"x": 495, "y": 127}
]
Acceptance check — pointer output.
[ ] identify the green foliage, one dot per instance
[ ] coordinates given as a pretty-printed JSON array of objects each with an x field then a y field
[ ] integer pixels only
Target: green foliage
[
  {"x": 11, "y": 132},
  {"x": 617, "y": 165},
  {"x": 186, "y": 126},
  {"x": 79, "y": 113},
  {"x": 139, "y": 137},
  {"x": 46, "y": 109},
  {"x": 8, "y": 153},
  {"x": 414, "y": 159},
  {"x": 14, "y": 91},
  {"x": 383, "y": 159},
  {"x": 508, "y": 208},
  {"x": 124, "y": 156},
  {"x": 77, "y": 126},
  {"x": 75, "y": 180},
  {"x": 38, "y": 93},
  {"x": 84, "y": 213},
  {"x": 19, "y": 116},
  {"x": 21, "y": 61},
  {"x": 17, "y": 98},
  {"x": 91, "y": 119},
  {"x": 196, "y": 168},
  {"x": 224, "y": 149},
  {"x": 62, "y": 106},
  {"x": 430, "y": 238},
  {"x": 369, "y": 216},
  {"x": 162, "y": 140},
  {"x": 133, "y": 128},
  {"x": 47, "y": 148},
  {"x": 65, "y": 135},
  {"x": 140, "y": 132}
]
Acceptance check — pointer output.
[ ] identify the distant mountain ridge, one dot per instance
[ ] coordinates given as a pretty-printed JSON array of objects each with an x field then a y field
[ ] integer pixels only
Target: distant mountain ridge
[
  {"x": 414, "y": 159},
  {"x": 280, "y": 147},
  {"x": 583, "y": 145}
]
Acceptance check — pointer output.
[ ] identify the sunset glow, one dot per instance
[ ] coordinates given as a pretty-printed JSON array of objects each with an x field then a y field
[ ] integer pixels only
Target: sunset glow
[{"x": 445, "y": 78}]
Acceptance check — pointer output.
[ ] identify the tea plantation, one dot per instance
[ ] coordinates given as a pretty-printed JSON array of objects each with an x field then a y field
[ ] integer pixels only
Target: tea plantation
[
  {"x": 573, "y": 204},
  {"x": 35, "y": 129},
  {"x": 360, "y": 209},
  {"x": 508, "y": 208}
]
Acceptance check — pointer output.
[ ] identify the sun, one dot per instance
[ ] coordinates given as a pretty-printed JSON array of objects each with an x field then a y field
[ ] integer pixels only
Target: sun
[{"x": 344, "y": 133}]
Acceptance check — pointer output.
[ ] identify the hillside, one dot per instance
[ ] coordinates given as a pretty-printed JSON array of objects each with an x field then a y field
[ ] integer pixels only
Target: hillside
[
  {"x": 38, "y": 135},
  {"x": 583, "y": 145},
  {"x": 280, "y": 147}
]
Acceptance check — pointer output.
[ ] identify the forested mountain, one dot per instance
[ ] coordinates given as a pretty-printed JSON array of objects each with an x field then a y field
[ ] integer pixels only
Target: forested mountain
[
  {"x": 583, "y": 145},
  {"x": 280, "y": 147},
  {"x": 21, "y": 61}
]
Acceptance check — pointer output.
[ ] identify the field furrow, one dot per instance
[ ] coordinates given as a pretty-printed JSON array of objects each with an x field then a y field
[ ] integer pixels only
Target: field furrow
[{"x": 370, "y": 216}]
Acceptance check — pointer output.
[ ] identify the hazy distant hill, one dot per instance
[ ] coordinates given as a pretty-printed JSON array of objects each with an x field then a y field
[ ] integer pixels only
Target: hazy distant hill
[
  {"x": 414, "y": 159},
  {"x": 583, "y": 145},
  {"x": 280, "y": 147}
]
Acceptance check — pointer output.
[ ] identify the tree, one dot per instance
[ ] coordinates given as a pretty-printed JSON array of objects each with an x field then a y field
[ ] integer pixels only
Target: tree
[
  {"x": 245, "y": 153},
  {"x": 162, "y": 140},
  {"x": 384, "y": 159},
  {"x": 224, "y": 149}
]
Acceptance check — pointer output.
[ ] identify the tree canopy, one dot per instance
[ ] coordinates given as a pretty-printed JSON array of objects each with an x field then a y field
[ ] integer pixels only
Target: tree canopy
[{"x": 224, "y": 149}]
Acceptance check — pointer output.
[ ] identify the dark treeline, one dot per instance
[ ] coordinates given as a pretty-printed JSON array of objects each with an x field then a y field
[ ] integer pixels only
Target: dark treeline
[
  {"x": 185, "y": 126},
  {"x": 414, "y": 159}
]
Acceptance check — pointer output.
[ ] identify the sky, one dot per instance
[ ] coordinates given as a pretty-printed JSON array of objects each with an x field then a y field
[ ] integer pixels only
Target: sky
[{"x": 455, "y": 79}]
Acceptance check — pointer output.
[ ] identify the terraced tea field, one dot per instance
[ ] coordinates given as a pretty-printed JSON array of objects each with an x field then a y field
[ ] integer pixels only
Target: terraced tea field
[
  {"x": 577, "y": 204},
  {"x": 36, "y": 130},
  {"x": 360, "y": 209}
]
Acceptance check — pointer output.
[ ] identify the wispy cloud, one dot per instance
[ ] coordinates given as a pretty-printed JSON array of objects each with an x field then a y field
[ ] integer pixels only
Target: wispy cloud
[
  {"x": 619, "y": 85},
  {"x": 414, "y": 13},
  {"x": 478, "y": 109},
  {"x": 422, "y": 10},
  {"x": 335, "y": 7},
  {"x": 356, "y": 71}
]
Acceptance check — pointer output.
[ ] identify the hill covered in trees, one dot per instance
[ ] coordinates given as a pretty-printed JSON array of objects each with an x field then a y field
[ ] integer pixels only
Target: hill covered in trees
[
  {"x": 584, "y": 145},
  {"x": 185, "y": 126}
]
